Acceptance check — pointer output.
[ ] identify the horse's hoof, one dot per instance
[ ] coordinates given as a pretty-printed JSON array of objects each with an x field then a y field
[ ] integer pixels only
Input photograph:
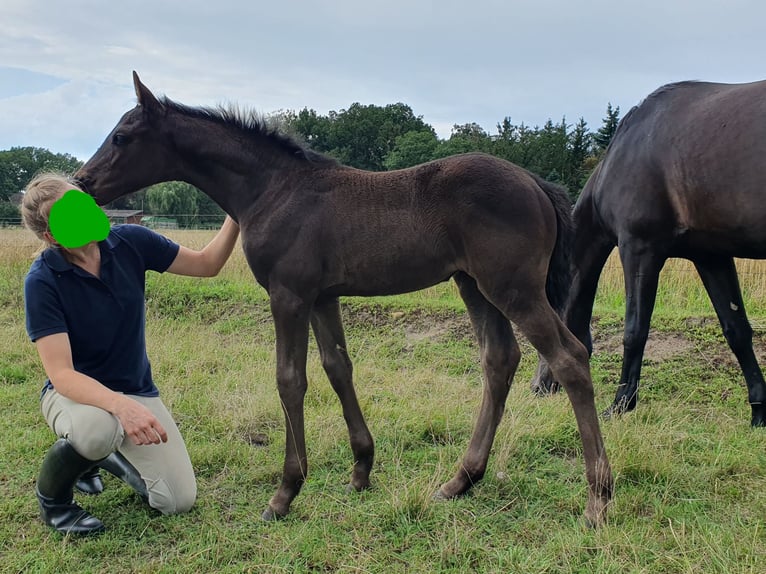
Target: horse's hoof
[
  {"x": 544, "y": 388},
  {"x": 360, "y": 487},
  {"x": 759, "y": 416},
  {"x": 618, "y": 408}
]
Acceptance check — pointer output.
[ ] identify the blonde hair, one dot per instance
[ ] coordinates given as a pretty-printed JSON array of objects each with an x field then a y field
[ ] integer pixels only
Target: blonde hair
[{"x": 40, "y": 194}]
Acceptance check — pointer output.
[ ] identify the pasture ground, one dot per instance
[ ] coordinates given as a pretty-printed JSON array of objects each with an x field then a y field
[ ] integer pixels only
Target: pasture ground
[{"x": 690, "y": 472}]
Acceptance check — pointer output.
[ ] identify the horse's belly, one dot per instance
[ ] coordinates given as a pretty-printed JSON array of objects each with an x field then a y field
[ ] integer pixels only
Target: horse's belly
[{"x": 744, "y": 242}]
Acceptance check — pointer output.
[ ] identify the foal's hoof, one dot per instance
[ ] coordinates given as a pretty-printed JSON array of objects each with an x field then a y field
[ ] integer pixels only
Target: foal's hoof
[
  {"x": 439, "y": 496},
  {"x": 595, "y": 518},
  {"x": 271, "y": 515},
  {"x": 592, "y": 524}
]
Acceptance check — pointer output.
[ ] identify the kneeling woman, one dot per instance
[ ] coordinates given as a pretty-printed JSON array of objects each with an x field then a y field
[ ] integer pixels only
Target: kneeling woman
[{"x": 85, "y": 314}]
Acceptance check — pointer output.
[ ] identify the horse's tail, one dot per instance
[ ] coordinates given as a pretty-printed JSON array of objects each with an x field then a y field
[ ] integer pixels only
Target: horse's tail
[{"x": 558, "y": 282}]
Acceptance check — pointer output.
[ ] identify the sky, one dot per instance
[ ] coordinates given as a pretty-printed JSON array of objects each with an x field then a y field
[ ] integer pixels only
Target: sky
[{"x": 65, "y": 67}]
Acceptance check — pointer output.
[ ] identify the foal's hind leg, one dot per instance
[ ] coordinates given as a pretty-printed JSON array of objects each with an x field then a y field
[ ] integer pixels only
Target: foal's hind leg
[
  {"x": 719, "y": 275},
  {"x": 499, "y": 358},
  {"x": 568, "y": 359},
  {"x": 591, "y": 250},
  {"x": 328, "y": 330}
]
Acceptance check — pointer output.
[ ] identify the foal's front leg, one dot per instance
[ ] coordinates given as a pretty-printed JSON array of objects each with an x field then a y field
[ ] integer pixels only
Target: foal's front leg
[{"x": 291, "y": 322}]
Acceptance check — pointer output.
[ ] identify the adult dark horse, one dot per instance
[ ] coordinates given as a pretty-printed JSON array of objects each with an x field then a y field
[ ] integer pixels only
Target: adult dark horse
[
  {"x": 684, "y": 176},
  {"x": 313, "y": 230}
]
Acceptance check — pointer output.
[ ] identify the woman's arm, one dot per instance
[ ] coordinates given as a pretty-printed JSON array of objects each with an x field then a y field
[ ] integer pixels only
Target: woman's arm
[
  {"x": 210, "y": 259},
  {"x": 137, "y": 421}
]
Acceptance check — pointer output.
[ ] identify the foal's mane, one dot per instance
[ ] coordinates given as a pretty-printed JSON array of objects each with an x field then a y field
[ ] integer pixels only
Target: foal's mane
[{"x": 252, "y": 124}]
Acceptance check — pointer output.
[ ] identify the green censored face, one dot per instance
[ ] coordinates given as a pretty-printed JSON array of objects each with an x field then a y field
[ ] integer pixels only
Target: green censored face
[{"x": 76, "y": 220}]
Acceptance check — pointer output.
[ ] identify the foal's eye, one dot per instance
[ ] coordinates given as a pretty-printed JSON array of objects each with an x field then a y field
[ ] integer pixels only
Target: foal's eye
[{"x": 119, "y": 139}]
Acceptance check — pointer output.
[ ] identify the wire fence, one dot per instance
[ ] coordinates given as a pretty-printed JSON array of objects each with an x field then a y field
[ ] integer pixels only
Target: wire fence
[
  {"x": 154, "y": 221},
  {"x": 679, "y": 282}
]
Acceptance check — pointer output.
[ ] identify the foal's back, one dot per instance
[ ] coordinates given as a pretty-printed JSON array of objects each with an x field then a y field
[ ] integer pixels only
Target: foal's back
[{"x": 390, "y": 232}]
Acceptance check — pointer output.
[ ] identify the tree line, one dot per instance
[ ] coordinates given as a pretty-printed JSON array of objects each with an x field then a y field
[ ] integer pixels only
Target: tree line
[{"x": 368, "y": 137}]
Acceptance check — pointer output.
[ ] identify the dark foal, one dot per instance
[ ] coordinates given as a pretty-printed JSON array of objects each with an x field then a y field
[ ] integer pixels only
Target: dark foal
[
  {"x": 684, "y": 176},
  {"x": 313, "y": 230}
]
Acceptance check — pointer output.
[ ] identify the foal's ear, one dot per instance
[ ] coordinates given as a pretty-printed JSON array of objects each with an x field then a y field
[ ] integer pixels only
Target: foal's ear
[{"x": 145, "y": 97}]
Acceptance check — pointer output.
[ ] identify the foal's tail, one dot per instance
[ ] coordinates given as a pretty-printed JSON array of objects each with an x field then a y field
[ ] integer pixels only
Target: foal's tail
[{"x": 558, "y": 281}]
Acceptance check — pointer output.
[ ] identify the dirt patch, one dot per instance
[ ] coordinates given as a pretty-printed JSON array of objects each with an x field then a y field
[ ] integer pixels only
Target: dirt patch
[
  {"x": 418, "y": 324},
  {"x": 660, "y": 345}
]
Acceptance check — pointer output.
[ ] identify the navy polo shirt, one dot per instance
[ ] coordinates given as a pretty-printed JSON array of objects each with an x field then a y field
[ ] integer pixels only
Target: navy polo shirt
[{"x": 104, "y": 317}]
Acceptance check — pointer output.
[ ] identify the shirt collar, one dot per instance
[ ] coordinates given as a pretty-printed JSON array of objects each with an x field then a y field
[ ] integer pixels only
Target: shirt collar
[{"x": 55, "y": 259}]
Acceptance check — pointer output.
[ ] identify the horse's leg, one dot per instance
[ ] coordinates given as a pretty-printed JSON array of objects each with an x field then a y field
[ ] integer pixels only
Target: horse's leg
[
  {"x": 568, "y": 360},
  {"x": 500, "y": 356},
  {"x": 641, "y": 268},
  {"x": 719, "y": 275},
  {"x": 591, "y": 250},
  {"x": 328, "y": 330},
  {"x": 291, "y": 322}
]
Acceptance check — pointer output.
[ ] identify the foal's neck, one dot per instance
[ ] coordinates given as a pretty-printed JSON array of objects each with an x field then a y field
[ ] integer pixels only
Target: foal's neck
[{"x": 227, "y": 163}]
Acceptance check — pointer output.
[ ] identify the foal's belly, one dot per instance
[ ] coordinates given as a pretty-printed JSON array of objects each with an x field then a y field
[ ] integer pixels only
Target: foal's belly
[{"x": 405, "y": 281}]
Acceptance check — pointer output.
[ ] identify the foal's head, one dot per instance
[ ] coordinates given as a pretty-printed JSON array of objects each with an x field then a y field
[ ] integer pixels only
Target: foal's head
[{"x": 134, "y": 155}]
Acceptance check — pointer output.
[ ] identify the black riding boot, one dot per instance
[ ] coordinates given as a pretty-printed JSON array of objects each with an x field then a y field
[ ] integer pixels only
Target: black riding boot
[
  {"x": 90, "y": 482},
  {"x": 61, "y": 468},
  {"x": 119, "y": 466}
]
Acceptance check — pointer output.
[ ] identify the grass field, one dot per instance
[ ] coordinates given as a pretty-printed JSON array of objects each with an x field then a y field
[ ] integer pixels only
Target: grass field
[{"x": 690, "y": 472}]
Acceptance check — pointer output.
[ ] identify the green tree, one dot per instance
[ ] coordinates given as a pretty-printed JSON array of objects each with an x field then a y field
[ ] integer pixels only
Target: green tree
[
  {"x": 605, "y": 133},
  {"x": 412, "y": 148},
  {"x": 175, "y": 198},
  {"x": 313, "y": 128},
  {"x": 361, "y": 136},
  {"x": 189, "y": 205},
  {"x": 136, "y": 200},
  {"x": 580, "y": 149},
  {"x": 514, "y": 143},
  {"x": 9, "y": 213},
  {"x": 557, "y": 152},
  {"x": 465, "y": 138},
  {"x": 208, "y": 211},
  {"x": 20, "y": 164}
]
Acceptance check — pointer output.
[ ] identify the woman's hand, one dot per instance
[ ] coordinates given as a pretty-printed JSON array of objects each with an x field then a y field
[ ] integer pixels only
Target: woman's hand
[{"x": 138, "y": 422}]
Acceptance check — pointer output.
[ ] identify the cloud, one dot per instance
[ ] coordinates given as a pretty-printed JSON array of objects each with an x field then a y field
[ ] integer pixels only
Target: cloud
[
  {"x": 452, "y": 62},
  {"x": 72, "y": 118},
  {"x": 18, "y": 81}
]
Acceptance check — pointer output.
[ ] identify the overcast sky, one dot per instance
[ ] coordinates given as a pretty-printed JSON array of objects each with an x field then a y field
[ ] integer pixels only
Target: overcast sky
[{"x": 65, "y": 67}]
